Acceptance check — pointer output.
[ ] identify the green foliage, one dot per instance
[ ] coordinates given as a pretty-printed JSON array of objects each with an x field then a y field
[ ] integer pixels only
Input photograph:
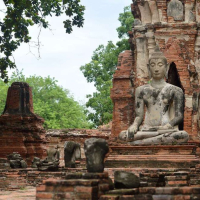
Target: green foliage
[
  {"x": 126, "y": 20},
  {"x": 50, "y": 101},
  {"x": 100, "y": 71},
  {"x": 21, "y": 14}
]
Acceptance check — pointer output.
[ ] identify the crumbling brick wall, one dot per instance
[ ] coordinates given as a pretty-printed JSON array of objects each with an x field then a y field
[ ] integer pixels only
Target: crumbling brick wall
[{"x": 122, "y": 93}]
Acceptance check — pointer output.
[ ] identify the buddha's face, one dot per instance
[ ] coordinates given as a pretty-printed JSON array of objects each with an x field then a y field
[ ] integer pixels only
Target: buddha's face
[{"x": 157, "y": 68}]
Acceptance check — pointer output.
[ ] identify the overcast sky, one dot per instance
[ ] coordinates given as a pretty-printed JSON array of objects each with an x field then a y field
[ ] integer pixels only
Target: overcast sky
[{"x": 63, "y": 54}]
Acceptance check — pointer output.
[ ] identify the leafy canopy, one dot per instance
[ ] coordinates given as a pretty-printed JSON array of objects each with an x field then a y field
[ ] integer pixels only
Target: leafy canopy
[
  {"x": 100, "y": 71},
  {"x": 50, "y": 101},
  {"x": 21, "y": 14}
]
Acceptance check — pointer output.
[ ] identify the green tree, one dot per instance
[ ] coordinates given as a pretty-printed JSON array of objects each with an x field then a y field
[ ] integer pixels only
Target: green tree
[
  {"x": 21, "y": 14},
  {"x": 100, "y": 71},
  {"x": 50, "y": 101}
]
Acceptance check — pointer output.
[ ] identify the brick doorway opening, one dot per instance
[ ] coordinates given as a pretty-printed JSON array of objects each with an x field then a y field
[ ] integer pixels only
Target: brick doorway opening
[{"x": 174, "y": 79}]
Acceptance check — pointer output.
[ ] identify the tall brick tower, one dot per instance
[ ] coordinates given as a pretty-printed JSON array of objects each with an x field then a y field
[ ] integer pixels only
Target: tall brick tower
[{"x": 174, "y": 26}]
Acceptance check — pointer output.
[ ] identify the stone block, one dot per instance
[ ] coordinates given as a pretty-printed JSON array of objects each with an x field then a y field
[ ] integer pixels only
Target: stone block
[
  {"x": 123, "y": 191},
  {"x": 44, "y": 195},
  {"x": 126, "y": 180},
  {"x": 109, "y": 197},
  {"x": 82, "y": 189},
  {"x": 147, "y": 190}
]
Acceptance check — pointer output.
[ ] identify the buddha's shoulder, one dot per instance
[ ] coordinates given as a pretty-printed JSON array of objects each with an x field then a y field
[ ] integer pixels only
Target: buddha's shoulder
[
  {"x": 143, "y": 87},
  {"x": 173, "y": 88}
]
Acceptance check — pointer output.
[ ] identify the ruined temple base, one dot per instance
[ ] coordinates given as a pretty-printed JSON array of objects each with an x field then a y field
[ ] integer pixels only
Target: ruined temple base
[
  {"x": 76, "y": 183},
  {"x": 74, "y": 186},
  {"x": 159, "y": 184},
  {"x": 13, "y": 179},
  {"x": 155, "y": 156},
  {"x": 24, "y": 135},
  {"x": 154, "y": 193}
]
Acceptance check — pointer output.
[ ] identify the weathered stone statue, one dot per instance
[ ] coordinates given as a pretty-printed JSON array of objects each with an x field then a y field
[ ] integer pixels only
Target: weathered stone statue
[
  {"x": 4, "y": 164},
  {"x": 164, "y": 108},
  {"x": 16, "y": 161},
  {"x": 51, "y": 162},
  {"x": 123, "y": 179},
  {"x": 95, "y": 151},
  {"x": 35, "y": 162},
  {"x": 72, "y": 152}
]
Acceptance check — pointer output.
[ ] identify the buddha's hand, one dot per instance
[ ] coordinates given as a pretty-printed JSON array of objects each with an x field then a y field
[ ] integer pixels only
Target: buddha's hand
[
  {"x": 165, "y": 127},
  {"x": 132, "y": 130}
]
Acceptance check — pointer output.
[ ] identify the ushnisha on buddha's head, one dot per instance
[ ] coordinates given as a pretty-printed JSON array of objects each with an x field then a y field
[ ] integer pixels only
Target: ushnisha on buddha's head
[{"x": 158, "y": 66}]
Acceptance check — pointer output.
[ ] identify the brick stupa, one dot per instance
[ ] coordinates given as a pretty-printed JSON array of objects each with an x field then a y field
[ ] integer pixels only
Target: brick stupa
[{"x": 21, "y": 129}]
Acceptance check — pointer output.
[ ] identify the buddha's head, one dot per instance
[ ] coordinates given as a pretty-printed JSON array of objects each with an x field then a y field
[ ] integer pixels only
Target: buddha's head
[{"x": 158, "y": 66}]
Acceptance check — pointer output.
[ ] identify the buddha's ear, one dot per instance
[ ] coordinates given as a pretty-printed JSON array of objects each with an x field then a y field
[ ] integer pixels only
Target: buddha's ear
[
  {"x": 167, "y": 70},
  {"x": 149, "y": 72}
]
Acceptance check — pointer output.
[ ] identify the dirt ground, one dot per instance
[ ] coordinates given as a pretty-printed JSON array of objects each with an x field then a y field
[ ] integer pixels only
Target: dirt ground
[{"x": 27, "y": 193}]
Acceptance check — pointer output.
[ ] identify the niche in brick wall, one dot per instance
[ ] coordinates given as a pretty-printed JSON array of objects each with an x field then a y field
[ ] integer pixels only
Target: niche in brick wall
[{"x": 174, "y": 79}]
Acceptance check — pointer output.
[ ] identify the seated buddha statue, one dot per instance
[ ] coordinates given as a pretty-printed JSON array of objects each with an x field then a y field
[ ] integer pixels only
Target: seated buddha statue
[{"x": 164, "y": 104}]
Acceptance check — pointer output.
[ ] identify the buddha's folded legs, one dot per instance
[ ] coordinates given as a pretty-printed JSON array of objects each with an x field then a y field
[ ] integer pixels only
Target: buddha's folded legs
[
  {"x": 166, "y": 138},
  {"x": 140, "y": 135}
]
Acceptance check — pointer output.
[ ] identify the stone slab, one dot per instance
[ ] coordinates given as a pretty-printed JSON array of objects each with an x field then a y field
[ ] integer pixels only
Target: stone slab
[{"x": 185, "y": 149}]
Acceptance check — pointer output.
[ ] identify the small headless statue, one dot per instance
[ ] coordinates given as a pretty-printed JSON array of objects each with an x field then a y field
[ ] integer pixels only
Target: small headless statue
[
  {"x": 51, "y": 162},
  {"x": 164, "y": 108}
]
